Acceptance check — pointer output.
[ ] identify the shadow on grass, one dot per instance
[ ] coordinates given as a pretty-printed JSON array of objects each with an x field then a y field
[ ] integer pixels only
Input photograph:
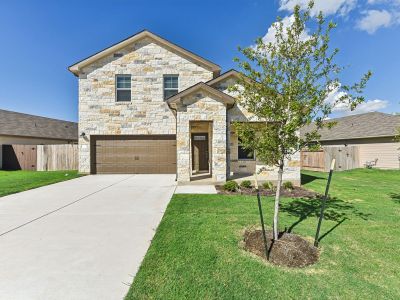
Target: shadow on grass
[
  {"x": 395, "y": 197},
  {"x": 305, "y": 178},
  {"x": 336, "y": 210}
]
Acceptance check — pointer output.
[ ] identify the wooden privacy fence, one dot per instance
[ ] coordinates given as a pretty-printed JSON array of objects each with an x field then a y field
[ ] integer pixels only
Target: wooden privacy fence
[
  {"x": 40, "y": 157},
  {"x": 57, "y": 157},
  {"x": 347, "y": 158}
]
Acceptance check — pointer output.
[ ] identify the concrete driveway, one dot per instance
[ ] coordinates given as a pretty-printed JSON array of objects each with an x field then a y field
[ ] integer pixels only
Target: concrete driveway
[{"x": 79, "y": 239}]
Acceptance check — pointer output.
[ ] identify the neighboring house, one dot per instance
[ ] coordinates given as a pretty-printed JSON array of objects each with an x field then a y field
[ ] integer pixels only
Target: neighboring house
[
  {"x": 23, "y": 129},
  {"x": 147, "y": 105},
  {"x": 373, "y": 133}
]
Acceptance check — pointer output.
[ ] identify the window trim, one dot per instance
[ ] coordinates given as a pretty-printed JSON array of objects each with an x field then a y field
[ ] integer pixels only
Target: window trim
[
  {"x": 122, "y": 89},
  {"x": 170, "y": 89},
  {"x": 245, "y": 159}
]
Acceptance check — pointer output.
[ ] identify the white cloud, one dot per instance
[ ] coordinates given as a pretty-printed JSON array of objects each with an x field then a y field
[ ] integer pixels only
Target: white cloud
[
  {"x": 344, "y": 109},
  {"x": 287, "y": 21},
  {"x": 328, "y": 7},
  {"x": 371, "y": 14},
  {"x": 333, "y": 99},
  {"x": 375, "y": 19},
  {"x": 367, "y": 106}
]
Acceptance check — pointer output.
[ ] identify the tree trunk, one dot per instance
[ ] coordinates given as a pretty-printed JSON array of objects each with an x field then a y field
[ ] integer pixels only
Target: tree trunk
[{"x": 277, "y": 199}]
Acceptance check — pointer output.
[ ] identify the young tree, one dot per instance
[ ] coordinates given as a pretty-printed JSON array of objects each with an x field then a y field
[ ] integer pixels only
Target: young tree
[{"x": 288, "y": 85}]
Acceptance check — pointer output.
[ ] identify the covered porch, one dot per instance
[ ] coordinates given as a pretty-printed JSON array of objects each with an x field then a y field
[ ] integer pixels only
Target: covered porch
[{"x": 201, "y": 133}]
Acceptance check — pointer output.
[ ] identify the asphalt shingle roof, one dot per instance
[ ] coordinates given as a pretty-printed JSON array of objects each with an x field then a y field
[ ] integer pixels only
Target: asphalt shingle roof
[
  {"x": 373, "y": 124},
  {"x": 19, "y": 124}
]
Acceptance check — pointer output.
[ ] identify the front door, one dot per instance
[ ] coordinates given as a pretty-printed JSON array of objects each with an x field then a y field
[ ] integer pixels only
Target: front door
[{"x": 200, "y": 153}]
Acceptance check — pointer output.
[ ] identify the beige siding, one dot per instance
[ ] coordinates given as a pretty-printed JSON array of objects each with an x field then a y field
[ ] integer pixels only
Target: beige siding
[
  {"x": 386, "y": 153},
  {"x": 382, "y": 148}
]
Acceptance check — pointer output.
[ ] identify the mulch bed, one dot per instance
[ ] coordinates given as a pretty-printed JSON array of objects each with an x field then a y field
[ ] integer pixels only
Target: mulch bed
[
  {"x": 290, "y": 250},
  {"x": 296, "y": 192}
]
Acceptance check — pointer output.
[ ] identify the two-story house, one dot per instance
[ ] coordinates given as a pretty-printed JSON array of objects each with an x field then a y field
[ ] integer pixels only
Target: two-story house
[{"x": 147, "y": 105}]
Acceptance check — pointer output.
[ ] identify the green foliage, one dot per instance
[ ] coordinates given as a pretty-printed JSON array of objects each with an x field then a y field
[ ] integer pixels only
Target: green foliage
[
  {"x": 245, "y": 184},
  {"x": 17, "y": 181},
  {"x": 287, "y": 82},
  {"x": 397, "y": 137},
  {"x": 268, "y": 185},
  {"x": 231, "y": 186},
  {"x": 195, "y": 252},
  {"x": 288, "y": 185}
]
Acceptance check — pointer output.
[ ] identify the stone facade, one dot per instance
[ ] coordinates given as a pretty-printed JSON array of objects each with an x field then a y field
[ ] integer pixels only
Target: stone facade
[
  {"x": 240, "y": 168},
  {"x": 246, "y": 167},
  {"x": 147, "y": 62},
  {"x": 201, "y": 107},
  {"x": 147, "y": 113}
]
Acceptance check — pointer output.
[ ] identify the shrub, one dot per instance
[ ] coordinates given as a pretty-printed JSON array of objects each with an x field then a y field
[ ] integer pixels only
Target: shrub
[
  {"x": 231, "y": 186},
  {"x": 288, "y": 185},
  {"x": 245, "y": 184},
  {"x": 268, "y": 185}
]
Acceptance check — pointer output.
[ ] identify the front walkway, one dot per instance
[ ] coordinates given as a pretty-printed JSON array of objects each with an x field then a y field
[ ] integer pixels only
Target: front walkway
[
  {"x": 79, "y": 239},
  {"x": 196, "y": 189}
]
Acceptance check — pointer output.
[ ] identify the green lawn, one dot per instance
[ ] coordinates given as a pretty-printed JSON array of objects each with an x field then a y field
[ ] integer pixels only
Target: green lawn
[
  {"x": 17, "y": 181},
  {"x": 196, "y": 255}
]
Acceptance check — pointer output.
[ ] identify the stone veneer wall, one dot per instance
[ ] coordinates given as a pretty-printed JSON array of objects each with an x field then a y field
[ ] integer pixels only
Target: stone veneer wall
[
  {"x": 201, "y": 107},
  {"x": 147, "y": 113},
  {"x": 238, "y": 167},
  {"x": 265, "y": 173}
]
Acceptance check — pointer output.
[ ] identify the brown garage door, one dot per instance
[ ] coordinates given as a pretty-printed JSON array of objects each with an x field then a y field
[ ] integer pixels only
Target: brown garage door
[{"x": 134, "y": 154}]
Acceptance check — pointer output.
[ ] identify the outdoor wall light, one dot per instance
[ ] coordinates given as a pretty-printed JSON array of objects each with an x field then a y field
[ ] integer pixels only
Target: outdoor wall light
[{"x": 82, "y": 134}]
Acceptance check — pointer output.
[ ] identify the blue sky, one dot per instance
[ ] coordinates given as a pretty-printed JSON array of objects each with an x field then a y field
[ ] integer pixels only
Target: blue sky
[{"x": 40, "y": 39}]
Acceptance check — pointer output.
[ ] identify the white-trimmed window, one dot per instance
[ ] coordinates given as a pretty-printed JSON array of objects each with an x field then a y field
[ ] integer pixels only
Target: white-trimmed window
[
  {"x": 243, "y": 153},
  {"x": 170, "y": 85},
  {"x": 123, "y": 88}
]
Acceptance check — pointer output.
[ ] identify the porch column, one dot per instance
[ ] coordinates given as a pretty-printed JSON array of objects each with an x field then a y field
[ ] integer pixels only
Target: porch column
[
  {"x": 183, "y": 147},
  {"x": 219, "y": 144}
]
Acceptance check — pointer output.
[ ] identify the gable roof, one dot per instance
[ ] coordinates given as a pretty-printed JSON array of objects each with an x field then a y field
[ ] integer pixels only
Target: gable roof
[
  {"x": 223, "y": 76},
  {"x": 201, "y": 86},
  {"x": 368, "y": 125},
  {"x": 19, "y": 124},
  {"x": 141, "y": 35}
]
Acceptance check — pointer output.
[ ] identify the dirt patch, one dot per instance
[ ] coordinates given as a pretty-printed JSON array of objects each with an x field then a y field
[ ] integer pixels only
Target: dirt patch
[
  {"x": 296, "y": 192},
  {"x": 290, "y": 250}
]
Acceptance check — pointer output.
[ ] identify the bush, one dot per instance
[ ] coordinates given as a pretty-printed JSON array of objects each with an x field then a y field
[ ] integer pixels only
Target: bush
[
  {"x": 268, "y": 185},
  {"x": 245, "y": 184},
  {"x": 231, "y": 186},
  {"x": 288, "y": 185}
]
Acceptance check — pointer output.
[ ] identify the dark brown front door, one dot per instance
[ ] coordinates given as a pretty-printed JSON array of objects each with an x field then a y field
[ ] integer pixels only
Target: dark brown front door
[{"x": 200, "y": 152}]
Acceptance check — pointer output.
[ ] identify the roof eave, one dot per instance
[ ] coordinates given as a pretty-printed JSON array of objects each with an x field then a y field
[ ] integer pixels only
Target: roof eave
[
  {"x": 172, "y": 101},
  {"x": 216, "y": 69}
]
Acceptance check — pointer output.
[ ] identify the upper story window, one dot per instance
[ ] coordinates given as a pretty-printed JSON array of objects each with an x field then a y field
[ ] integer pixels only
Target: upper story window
[
  {"x": 123, "y": 88},
  {"x": 244, "y": 153},
  {"x": 170, "y": 85}
]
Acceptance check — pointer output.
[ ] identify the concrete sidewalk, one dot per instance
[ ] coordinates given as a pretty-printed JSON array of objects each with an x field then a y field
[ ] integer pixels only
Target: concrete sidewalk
[
  {"x": 196, "y": 189},
  {"x": 79, "y": 239}
]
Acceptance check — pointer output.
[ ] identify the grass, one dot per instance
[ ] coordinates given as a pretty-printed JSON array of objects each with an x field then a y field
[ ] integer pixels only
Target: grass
[
  {"x": 196, "y": 252},
  {"x": 17, "y": 181}
]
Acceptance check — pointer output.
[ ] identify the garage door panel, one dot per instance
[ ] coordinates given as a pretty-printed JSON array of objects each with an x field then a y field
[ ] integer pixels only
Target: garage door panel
[{"x": 134, "y": 154}]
